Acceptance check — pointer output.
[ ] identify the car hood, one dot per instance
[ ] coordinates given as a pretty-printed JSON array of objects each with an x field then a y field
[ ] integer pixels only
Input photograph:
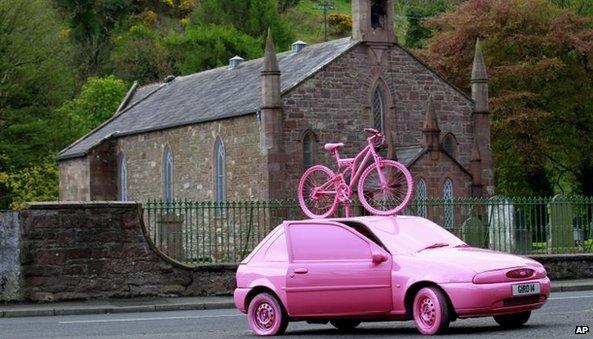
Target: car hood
[{"x": 476, "y": 259}]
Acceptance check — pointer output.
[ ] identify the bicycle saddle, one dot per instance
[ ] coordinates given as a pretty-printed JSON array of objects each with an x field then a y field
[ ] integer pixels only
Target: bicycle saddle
[{"x": 331, "y": 147}]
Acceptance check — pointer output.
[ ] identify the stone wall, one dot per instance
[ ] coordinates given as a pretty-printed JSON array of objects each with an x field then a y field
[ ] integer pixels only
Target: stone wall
[
  {"x": 193, "y": 160},
  {"x": 567, "y": 266},
  {"x": 10, "y": 254},
  {"x": 101, "y": 250},
  {"x": 335, "y": 104}
]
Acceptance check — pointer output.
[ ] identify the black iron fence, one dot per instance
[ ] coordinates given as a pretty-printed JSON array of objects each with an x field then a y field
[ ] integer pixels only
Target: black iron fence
[{"x": 200, "y": 233}]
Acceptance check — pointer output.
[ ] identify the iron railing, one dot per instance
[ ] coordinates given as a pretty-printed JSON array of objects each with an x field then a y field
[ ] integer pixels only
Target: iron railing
[{"x": 200, "y": 233}]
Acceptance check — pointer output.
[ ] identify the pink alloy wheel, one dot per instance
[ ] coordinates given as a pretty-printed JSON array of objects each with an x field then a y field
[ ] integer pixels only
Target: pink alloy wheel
[
  {"x": 266, "y": 316},
  {"x": 430, "y": 311}
]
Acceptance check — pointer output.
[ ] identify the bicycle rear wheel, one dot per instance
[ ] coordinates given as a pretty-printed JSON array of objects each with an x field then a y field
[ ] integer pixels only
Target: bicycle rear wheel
[
  {"x": 317, "y": 192},
  {"x": 388, "y": 197}
]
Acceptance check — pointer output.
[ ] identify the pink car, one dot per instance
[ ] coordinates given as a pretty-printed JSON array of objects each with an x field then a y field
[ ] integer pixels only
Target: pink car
[{"x": 347, "y": 271}]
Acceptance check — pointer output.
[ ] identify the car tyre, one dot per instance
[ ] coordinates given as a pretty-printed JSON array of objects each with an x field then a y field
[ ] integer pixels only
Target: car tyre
[
  {"x": 512, "y": 320},
  {"x": 266, "y": 315},
  {"x": 345, "y": 325},
  {"x": 431, "y": 311}
]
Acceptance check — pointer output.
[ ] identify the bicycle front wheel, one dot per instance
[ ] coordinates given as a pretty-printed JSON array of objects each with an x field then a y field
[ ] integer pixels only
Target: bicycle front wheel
[
  {"x": 388, "y": 193},
  {"x": 317, "y": 192}
]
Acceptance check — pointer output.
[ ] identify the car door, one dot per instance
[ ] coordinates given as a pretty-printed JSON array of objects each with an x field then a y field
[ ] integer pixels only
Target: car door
[{"x": 331, "y": 272}]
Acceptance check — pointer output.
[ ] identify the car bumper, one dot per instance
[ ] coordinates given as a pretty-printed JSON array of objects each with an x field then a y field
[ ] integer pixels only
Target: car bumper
[
  {"x": 239, "y": 298},
  {"x": 479, "y": 300}
]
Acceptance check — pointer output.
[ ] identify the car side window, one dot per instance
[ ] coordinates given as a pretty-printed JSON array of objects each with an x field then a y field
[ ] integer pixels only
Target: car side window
[
  {"x": 326, "y": 242},
  {"x": 277, "y": 250}
]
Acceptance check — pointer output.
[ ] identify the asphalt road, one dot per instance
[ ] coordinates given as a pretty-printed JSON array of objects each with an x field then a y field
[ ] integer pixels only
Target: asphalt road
[{"x": 557, "y": 319}]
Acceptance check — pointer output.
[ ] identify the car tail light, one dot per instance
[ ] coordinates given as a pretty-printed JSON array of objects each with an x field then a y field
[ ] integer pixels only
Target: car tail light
[{"x": 521, "y": 273}]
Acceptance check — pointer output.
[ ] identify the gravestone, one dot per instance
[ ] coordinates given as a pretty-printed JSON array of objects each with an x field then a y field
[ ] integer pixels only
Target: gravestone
[
  {"x": 473, "y": 232},
  {"x": 559, "y": 228},
  {"x": 501, "y": 224},
  {"x": 523, "y": 242},
  {"x": 170, "y": 236}
]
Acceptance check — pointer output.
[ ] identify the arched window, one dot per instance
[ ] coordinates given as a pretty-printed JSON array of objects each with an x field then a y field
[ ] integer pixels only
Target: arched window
[
  {"x": 168, "y": 174},
  {"x": 122, "y": 178},
  {"x": 450, "y": 145},
  {"x": 448, "y": 203},
  {"x": 308, "y": 149},
  {"x": 219, "y": 170},
  {"x": 378, "y": 110},
  {"x": 421, "y": 196}
]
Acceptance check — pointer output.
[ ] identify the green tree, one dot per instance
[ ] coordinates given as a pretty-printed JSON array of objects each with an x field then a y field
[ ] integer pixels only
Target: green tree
[
  {"x": 91, "y": 24},
  {"x": 252, "y": 17},
  {"x": 35, "y": 77},
  {"x": 539, "y": 59},
  {"x": 98, "y": 100},
  {"x": 34, "y": 183},
  {"x": 139, "y": 54},
  {"x": 205, "y": 47}
]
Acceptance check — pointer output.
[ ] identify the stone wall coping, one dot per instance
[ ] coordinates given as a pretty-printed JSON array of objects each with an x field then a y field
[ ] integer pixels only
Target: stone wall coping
[
  {"x": 563, "y": 257},
  {"x": 59, "y": 205}
]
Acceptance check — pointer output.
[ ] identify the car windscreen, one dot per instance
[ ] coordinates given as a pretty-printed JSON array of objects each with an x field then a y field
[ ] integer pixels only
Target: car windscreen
[{"x": 411, "y": 234}]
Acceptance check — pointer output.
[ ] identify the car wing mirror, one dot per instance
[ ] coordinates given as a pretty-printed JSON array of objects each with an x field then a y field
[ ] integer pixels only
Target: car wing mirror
[{"x": 379, "y": 257}]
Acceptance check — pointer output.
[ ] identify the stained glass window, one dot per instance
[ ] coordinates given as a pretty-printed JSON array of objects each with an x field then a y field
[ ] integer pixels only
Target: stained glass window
[
  {"x": 378, "y": 110},
  {"x": 308, "y": 142},
  {"x": 168, "y": 174},
  {"x": 448, "y": 204},
  {"x": 122, "y": 182},
  {"x": 421, "y": 196},
  {"x": 219, "y": 172}
]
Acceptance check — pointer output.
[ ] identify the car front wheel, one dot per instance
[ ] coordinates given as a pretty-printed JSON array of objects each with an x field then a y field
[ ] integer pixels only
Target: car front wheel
[
  {"x": 266, "y": 316},
  {"x": 512, "y": 320},
  {"x": 431, "y": 311}
]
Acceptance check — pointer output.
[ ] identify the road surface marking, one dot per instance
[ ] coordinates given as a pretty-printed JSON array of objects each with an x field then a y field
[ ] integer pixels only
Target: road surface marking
[{"x": 147, "y": 319}]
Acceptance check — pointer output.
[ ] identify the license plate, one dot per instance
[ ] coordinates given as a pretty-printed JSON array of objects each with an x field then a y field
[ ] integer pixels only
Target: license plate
[{"x": 525, "y": 289}]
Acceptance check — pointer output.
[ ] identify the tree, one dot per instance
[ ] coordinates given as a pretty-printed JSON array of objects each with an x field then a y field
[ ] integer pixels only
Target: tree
[
  {"x": 34, "y": 183},
  {"x": 205, "y": 47},
  {"x": 252, "y": 17},
  {"x": 35, "y": 77},
  {"x": 98, "y": 100},
  {"x": 539, "y": 61},
  {"x": 91, "y": 23},
  {"x": 139, "y": 54}
]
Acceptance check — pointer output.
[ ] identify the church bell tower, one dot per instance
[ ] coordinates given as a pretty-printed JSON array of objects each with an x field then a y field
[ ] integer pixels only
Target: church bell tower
[{"x": 372, "y": 21}]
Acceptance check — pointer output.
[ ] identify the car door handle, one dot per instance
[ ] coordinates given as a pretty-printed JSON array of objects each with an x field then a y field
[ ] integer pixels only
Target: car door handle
[{"x": 301, "y": 271}]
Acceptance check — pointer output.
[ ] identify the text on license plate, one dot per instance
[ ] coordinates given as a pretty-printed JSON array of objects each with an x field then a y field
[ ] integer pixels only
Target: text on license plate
[{"x": 523, "y": 289}]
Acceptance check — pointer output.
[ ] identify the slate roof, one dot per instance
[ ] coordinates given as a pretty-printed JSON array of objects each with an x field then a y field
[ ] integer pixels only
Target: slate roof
[
  {"x": 210, "y": 95},
  {"x": 408, "y": 154}
]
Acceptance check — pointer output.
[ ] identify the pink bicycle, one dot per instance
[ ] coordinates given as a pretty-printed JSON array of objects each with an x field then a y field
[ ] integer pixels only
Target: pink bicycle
[{"x": 384, "y": 186}]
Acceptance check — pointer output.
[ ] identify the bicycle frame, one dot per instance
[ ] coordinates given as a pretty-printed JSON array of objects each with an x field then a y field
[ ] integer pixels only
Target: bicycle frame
[{"x": 355, "y": 166}]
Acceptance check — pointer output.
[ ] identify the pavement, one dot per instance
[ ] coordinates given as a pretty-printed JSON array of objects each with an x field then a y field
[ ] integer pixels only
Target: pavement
[{"x": 159, "y": 304}]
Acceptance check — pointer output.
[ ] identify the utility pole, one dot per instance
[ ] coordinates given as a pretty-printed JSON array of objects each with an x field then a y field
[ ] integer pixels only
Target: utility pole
[{"x": 325, "y": 6}]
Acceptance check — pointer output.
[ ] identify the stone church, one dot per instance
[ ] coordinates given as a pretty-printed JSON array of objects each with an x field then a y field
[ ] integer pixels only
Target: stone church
[{"x": 249, "y": 130}]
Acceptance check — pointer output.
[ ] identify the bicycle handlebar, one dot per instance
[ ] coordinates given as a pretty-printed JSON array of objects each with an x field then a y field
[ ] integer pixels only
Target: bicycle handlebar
[{"x": 371, "y": 130}]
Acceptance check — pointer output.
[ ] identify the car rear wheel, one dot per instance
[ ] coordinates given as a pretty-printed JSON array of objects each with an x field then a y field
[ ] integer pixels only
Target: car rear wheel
[
  {"x": 345, "y": 324},
  {"x": 512, "y": 320},
  {"x": 431, "y": 311},
  {"x": 266, "y": 316}
]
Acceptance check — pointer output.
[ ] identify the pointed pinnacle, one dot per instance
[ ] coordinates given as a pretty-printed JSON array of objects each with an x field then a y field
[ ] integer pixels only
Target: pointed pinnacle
[
  {"x": 430, "y": 119},
  {"x": 270, "y": 60},
  {"x": 479, "y": 67}
]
